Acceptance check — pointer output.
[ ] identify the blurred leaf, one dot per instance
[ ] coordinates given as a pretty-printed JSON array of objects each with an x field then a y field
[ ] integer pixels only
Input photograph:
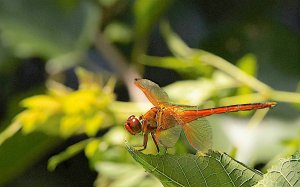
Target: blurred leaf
[
  {"x": 146, "y": 13},
  {"x": 181, "y": 50},
  {"x": 186, "y": 67},
  {"x": 116, "y": 136},
  {"x": 7, "y": 62},
  {"x": 118, "y": 32},
  {"x": 107, "y": 3},
  {"x": 285, "y": 173},
  {"x": 196, "y": 92},
  {"x": 21, "y": 151},
  {"x": 106, "y": 148},
  {"x": 49, "y": 28},
  {"x": 248, "y": 64},
  {"x": 91, "y": 148},
  {"x": 68, "y": 153},
  {"x": 174, "y": 42},
  {"x": 167, "y": 62},
  {"x": 122, "y": 175},
  {"x": 298, "y": 91},
  {"x": 213, "y": 169},
  {"x": 109, "y": 147},
  {"x": 93, "y": 124}
]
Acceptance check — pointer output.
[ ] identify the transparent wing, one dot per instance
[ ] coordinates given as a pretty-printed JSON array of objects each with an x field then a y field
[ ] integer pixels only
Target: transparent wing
[
  {"x": 169, "y": 137},
  {"x": 152, "y": 91},
  {"x": 199, "y": 134},
  {"x": 168, "y": 129}
]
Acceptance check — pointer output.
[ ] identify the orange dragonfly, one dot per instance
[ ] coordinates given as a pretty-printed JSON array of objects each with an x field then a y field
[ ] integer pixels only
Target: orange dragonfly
[{"x": 165, "y": 121}]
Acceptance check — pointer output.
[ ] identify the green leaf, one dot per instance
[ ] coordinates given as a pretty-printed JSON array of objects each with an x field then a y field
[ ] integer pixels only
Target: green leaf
[
  {"x": 180, "y": 49},
  {"x": 123, "y": 175},
  {"x": 68, "y": 153},
  {"x": 146, "y": 14},
  {"x": 21, "y": 151},
  {"x": 213, "y": 169},
  {"x": 118, "y": 32},
  {"x": 285, "y": 173},
  {"x": 196, "y": 92},
  {"x": 47, "y": 28},
  {"x": 248, "y": 64},
  {"x": 188, "y": 68}
]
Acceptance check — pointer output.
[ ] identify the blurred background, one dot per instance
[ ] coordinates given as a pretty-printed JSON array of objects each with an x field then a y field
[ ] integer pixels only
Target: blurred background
[{"x": 51, "y": 132}]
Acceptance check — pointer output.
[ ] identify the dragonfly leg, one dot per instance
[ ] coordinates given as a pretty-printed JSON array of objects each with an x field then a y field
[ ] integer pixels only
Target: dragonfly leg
[
  {"x": 154, "y": 140},
  {"x": 144, "y": 142}
]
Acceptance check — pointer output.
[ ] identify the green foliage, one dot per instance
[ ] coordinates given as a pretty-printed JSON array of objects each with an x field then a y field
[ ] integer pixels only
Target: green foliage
[
  {"x": 189, "y": 170},
  {"x": 63, "y": 32},
  {"x": 47, "y": 28},
  {"x": 284, "y": 173},
  {"x": 21, "y": 151},
  {"x": 146, "y": 15},
  {"x": 213, "y": 169},
  {"x": 249, "y": 65},
  {"x": 123, "y": 175}
]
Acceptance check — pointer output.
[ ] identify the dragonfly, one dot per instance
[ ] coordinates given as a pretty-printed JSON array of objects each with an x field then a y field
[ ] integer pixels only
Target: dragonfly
[{"x": 165, "y": 121}]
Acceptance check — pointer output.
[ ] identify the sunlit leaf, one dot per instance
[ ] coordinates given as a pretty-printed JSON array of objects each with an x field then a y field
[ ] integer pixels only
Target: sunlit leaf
[
  {"x": 116, "y": 136},
  {"x": 195, "y": 92},
  {"x": 285, "y": 173},
  {"x": 109, "y": 147},
  {"x": 298, "y": 91},
  {"x": 188, "y": 68},
  {"x": 118, "y": 32},
  {"x": 248, "y": 64},
  {"x": 213, "y": 169}
]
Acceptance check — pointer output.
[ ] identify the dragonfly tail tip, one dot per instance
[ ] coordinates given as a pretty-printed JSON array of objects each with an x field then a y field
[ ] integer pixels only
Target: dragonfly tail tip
[{"x": 272, "y": 104}]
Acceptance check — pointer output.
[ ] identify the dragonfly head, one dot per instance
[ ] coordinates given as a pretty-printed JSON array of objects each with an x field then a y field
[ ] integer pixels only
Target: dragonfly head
[{"x": 133, "y": 125}]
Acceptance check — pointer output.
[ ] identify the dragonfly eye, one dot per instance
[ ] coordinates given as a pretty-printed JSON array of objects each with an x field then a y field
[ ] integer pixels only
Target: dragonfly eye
[{"x": 133, "y": 125}]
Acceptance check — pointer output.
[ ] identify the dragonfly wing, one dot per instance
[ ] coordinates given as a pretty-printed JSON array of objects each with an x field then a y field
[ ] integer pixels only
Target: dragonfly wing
[
  {"x": 168, "y": 129},
  {"x": 199, "y": 134},
  {"x": 152, "y": 91},
  {"x": 169, "y": 137}
]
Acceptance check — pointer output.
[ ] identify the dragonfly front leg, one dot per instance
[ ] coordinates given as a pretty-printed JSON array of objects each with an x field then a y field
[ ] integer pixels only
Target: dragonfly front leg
[
  {"x": 144, "y": 142},
  {"x": 154, "y": 140}
]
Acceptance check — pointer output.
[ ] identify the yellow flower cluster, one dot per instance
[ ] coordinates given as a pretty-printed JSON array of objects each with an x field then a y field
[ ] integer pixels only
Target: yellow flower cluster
[{"x": 66, "y": 112}]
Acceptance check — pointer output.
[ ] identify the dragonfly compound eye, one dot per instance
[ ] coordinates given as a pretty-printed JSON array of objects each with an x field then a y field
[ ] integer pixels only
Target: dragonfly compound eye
[{"x": 133, "y": 125}]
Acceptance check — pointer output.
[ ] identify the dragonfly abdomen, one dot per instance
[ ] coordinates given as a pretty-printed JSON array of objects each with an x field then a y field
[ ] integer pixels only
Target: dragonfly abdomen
[{"x": 231, "y": 108}]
